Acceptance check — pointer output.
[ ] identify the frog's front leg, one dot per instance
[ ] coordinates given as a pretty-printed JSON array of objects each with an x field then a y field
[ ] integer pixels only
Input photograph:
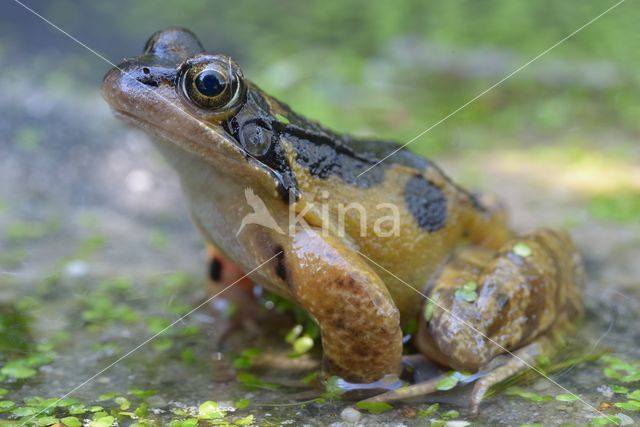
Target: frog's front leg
[{"x": 359, "y": 322}]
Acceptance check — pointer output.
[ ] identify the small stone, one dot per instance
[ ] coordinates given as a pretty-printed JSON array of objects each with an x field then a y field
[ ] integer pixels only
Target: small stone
[
  {"x": 350, "y": 415},
  {"x": 625, "y": 420},
  {"x": 605, "y": 391},
  {"x": 76, "y": 268}
]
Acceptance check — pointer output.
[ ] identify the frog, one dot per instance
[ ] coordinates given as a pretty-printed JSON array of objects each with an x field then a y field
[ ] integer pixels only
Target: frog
[{"x": 279, "y": 199}]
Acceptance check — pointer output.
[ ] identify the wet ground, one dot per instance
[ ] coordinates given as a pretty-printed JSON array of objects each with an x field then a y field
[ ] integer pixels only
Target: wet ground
[{"x": 98, "y": 255}]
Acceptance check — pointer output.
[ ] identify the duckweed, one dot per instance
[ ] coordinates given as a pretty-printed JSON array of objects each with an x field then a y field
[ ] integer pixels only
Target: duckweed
[
  {"x": 241, "y": 403},
  {"x": 210, "y": 410},
  {"x": 429, "y": 411},
  {"x": 282, "y": 119},
  {"x": 467, "y": 292},
  {"x": 302, "y": 345},
  {"x": 447, "y": 383},
  {"x": 427, "y": 311},
  {"x": 522, "y": 249},
  {"x": 374, "y": 407}
]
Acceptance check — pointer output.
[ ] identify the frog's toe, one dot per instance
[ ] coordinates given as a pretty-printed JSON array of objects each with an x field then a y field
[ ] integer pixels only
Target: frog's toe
[
  {"x": 517, "y": 362},
  {"x": 415, "y": 390}
]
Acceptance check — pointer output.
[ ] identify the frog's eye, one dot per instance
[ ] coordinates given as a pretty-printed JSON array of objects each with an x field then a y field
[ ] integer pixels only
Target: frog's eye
[{"x": 210, "y": 83}]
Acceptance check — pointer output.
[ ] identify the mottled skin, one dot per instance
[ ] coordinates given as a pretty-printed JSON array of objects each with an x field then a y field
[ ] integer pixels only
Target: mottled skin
[{"x": 359, "y": 286}]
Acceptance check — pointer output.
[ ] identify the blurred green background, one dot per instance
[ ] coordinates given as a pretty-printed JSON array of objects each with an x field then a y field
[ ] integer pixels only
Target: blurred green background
[{"x": 383, "y": 68}]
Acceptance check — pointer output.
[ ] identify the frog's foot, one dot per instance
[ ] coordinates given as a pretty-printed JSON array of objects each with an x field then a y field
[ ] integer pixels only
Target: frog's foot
[
  {"x": 415, "y": 390},
  {"x": 520, "y": 360}
]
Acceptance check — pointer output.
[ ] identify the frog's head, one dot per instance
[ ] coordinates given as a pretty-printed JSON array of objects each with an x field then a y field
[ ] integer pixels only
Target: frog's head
[{"x": 201, "y": 104}]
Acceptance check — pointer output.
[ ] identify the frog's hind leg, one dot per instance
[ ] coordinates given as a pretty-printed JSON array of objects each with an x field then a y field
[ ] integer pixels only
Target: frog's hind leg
[
  {"x": 520, "y": 360},
  {"x": 485, "y": 303}
]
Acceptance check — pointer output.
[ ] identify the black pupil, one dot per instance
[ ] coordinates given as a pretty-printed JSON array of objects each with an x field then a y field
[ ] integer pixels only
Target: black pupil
[{"x": 210, "y": 83}]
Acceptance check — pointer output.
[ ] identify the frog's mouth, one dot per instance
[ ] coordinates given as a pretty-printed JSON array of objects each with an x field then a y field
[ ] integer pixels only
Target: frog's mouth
[{"x": 155, "y": 108}]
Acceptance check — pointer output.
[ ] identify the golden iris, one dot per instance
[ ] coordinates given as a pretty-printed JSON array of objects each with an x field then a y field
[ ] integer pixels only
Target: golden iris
[{"x": 211, "y": 85}]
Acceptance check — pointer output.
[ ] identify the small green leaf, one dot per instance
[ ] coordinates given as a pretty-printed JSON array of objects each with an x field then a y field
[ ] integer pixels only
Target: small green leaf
[
  {"x": 63, "y": 403},
  {"x": 470, "y": 286},
  {"x": 251, "y": 381},
  {"x": 566, "y": 397},
  {"x": 429, "y": 411},
  {"x": 106, "y": 421},
  {"x": 302, "y": 345},
  {"x": 613, "y": 374},
  {"x": 447, "y": 383},
  {"x": 466, "y": 295},
  {"x": 450, "y": 415},
  {"x": 71, "y": 422},
  {"x": 309, "y": 378},
  {"x": 618, "y": 389},
  {"x": 293, "y": 334},
  {"x": 123, "y": 402},
  {"x": 143, "y": 394},
  {"x": 427, "y": 312},
  {"x": 17, "y": 369},
  {"x": 3, "y": 391},
  {"x": 374, "y": 407},
  {"x": 332, "y": 388},
  {"x": 522, "y": 249},
  {"x": 142, "y": 410},
  {"x": 517, "y": 391},
  {"x": 605, "y": 421},
  {"x": 210, "y": 410},
  {"x": 543, "y": 360},
  {"x": 77, "y": 409},
  {"x": 635, "y": 395},
  {"x": 6, "y": 405},
  {"x": 25, "y": 411},
  {"x": 46, "y": 421},
  {"x": 245, "y": 421},
  {"x": 632, "y": 405},
  {"x": 282, "y": 119},
  {"x": 107, "y": 396},
  {"x": 241, "y": 403}
]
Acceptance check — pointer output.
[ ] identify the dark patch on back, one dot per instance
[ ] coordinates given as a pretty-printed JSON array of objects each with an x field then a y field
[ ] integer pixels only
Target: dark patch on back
[
  {"x": 215, "y": 269},
  {"x": 324, "y": 157},
  {"x": 426, "y": 202},
  {"x": 281, "y": 268},
  {"x": 322, "y": 152},
  {"x": 326, "y": 154}
]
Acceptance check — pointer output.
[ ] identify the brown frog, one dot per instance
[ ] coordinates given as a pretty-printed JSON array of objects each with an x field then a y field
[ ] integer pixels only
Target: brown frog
[{"x": 360, "y": 245}]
